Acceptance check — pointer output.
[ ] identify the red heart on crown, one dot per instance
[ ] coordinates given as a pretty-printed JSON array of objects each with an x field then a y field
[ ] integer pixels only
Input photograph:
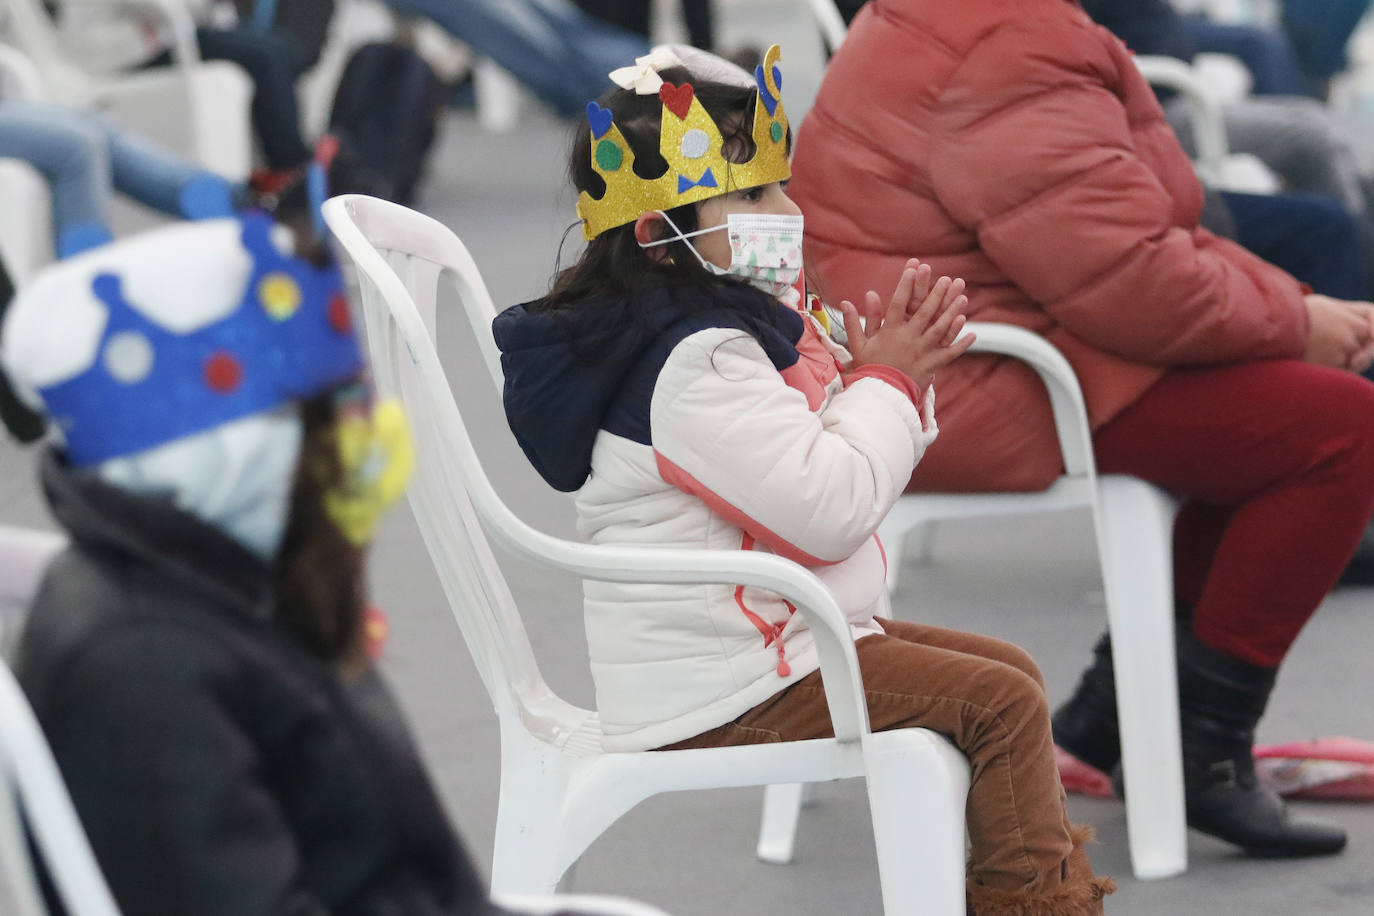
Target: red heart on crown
[{"x": 677, "y": 99}]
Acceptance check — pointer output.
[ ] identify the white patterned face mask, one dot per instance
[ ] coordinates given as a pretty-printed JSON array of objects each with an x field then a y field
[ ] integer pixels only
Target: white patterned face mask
[{"x": 765, "y": 249}]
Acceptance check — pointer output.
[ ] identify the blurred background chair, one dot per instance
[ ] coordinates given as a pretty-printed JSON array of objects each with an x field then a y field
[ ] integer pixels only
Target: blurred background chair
[
  {"x": 26, "y": 218},
  {"x": 559, "y": 789},
  {"x": 213, "y": 97}
]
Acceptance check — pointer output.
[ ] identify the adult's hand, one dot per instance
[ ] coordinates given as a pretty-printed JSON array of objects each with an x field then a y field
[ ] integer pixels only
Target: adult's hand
[
  {"x": 1364, "y": 357},
  {"x": 917, "y": 333},
  {"x": 1341, "y": 334}
]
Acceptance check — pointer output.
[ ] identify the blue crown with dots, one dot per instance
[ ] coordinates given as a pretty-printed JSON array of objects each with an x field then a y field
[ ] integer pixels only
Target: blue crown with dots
[{"x": 290, "y": 336}]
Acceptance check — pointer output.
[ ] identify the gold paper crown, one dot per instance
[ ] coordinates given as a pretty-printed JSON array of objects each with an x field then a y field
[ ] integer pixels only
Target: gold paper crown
[{"x": 692, "y": 145}]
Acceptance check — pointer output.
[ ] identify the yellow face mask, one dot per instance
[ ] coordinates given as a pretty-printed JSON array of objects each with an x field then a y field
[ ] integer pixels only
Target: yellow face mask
[{"x": 377, "y": 458}]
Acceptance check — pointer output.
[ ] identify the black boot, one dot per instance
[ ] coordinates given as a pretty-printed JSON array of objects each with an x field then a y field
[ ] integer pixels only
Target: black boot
[
  {"x": 1221, "y": 700},
  {"x": 1085, "y": 725}
]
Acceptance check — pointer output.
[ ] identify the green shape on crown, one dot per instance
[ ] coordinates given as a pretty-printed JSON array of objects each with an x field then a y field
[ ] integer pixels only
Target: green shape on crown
[
  {"x": 775, "y": 132},
  {"x": 609, "y": 156}
]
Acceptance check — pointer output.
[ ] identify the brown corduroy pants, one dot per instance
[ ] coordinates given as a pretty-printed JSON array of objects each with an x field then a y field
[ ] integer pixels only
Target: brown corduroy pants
[{"x": 986, "y": 696}]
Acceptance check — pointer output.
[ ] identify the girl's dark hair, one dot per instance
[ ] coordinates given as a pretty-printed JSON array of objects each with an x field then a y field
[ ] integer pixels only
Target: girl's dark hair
[
  {"x": 319, "y": 572},
  {"x": 614, "y": 270}
]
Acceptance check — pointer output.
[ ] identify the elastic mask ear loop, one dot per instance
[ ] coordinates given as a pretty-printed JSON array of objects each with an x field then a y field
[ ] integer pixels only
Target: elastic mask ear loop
[
  {"x": 558, "y": 258},
  {"x": 683, "y": 237}
]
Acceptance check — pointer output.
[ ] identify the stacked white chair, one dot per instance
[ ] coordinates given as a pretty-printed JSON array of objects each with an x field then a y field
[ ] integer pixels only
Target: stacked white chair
[
  {"x": 559, "y": 789},
  {"x": 214, "y": 95}
]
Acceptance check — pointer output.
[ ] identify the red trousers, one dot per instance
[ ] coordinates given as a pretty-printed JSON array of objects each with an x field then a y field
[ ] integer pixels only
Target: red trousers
[{"x": 1275, "y": 462}]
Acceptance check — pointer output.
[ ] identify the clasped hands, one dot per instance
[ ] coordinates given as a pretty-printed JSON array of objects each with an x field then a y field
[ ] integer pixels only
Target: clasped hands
[{"x": 917, "y": 333}]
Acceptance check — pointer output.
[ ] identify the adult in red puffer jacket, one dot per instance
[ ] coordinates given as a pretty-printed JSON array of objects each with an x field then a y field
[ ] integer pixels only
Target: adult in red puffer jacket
[{"x": 1016, "y": 145}]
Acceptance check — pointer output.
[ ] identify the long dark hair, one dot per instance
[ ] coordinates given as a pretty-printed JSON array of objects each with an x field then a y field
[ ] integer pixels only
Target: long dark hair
[
  {"x": 319, "y": 578},
  {"x": 319, "y": 574},
  {"x": 614, "y": 272}
]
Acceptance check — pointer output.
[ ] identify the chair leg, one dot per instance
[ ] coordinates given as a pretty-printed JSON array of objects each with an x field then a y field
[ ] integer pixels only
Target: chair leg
[
  {"x": 778, "y": 828},
  {"x": 1136, "y": 547},
  {"x": 529, "y": 817},
  {"x": 917, "y": 790}
]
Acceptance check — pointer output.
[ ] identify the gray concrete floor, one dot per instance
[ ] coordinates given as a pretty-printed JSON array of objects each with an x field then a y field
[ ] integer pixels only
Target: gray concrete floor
[{"x": 1029, "y": 580}]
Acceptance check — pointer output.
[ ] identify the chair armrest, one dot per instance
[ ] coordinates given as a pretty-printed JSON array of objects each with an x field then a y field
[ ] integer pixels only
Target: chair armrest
[
  {"x": 1066, "y": 398},
  {"x": 834, "y": 641},
  {"x": 572, "y": 904},
  {"x": 1209, "y": 125}
]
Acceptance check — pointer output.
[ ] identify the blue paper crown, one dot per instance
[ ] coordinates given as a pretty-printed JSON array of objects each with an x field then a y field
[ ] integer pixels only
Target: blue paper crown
[{"x": 290, "y": 336}]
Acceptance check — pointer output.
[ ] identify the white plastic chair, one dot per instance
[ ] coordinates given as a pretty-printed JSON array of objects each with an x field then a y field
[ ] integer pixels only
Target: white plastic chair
[
  {"x": 30, "y": 782},
  {"x": 24, "y": 555},
  {"x": 26, "y": 218},
  {"x": 215, "y": 95},
  {"x": 559, "y": 789},
  {"x": 1215, "y": 164},
  {"x": 830, "y": 22},
  {"x": 1133, "y": 524}
]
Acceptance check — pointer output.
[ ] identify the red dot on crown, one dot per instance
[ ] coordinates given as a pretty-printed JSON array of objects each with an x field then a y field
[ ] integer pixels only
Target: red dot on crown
[
  {"x": 339, "y": 318},
  {"x": 223, "y": 373}
]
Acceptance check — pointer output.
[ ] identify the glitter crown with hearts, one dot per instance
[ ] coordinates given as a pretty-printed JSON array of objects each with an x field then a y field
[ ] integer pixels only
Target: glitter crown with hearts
[
  {"x": 290, "y": 336},
  {"x": 692, "y": 144}
]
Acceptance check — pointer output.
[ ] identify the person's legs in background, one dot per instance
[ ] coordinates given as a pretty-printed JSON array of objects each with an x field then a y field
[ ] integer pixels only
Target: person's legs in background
[
  {"x": 560, "y": 52},
  {"x": 1273, "y": 459},
  {"x": 1319, "y": 31},
  {"x": 85, "y": 157},
  {"x": 630, "y": 15},
  {"x": 634, "y": 16},
  {"x": 159, "y": 179},
  {"x": 1266, "y": 53},
  {"x": 699, "y": 17},
  {"x": 1313, "y": 238},
  {"x": 273, "y": 63},
  {"x": 71, "y": 152}
]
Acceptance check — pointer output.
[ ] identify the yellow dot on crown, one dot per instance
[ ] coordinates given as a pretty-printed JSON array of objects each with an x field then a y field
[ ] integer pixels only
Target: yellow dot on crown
[{"x": 280, "y": 295}]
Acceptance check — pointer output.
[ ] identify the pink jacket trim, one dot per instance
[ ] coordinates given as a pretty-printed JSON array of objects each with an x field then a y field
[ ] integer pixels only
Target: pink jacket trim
[{"x": 688, "y": 484}]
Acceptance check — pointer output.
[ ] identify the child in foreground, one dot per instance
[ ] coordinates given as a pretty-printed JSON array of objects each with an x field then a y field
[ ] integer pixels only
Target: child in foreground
[
  {"x": 680, "y": 382},
  {"x": 196, "y": 657}
]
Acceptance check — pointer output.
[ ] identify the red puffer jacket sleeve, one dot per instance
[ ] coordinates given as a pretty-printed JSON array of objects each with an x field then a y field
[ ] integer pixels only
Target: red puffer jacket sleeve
[{"x": 1033, "y": 151}]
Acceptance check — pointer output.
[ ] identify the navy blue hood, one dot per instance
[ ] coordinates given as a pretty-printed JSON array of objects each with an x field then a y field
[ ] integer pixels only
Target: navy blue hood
[{"x": 567, "y": 368}]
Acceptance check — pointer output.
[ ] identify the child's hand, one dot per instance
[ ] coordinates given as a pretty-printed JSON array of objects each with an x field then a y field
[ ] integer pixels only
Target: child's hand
[{"x": 918, "y": 332}]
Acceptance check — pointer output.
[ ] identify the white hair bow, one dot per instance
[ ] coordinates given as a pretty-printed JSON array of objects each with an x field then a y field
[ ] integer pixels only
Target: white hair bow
[{"x": 643, "y": 77}]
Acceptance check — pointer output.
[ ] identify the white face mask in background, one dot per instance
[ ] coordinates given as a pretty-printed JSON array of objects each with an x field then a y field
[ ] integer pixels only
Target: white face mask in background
[{"x": 765, "y": 250}]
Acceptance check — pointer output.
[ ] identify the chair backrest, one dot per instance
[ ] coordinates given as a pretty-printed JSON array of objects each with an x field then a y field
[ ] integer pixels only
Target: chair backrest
[
  {"x": 31, "y": 787},
  {"x": 423, "y": 253},
  {"x": 830, "y": 22},
  {"x": 33, "y": 30},
  {"x": 449, "y": 479}
]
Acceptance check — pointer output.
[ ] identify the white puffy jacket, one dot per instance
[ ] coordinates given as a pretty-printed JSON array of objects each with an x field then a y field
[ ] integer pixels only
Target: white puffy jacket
[{"x": 718, "y": 438}]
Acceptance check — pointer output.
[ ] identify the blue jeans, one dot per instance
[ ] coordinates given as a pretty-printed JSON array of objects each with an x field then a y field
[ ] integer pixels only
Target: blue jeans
[
  {"x": 1313, "y": 238},
  {"x": 1319, "y": 30},
  {"x": 563, "y": 54},
  {"x": 273, "y": 61},
  {"x": 84, "y": 157},
  {"x": 1266, "y": 53}
]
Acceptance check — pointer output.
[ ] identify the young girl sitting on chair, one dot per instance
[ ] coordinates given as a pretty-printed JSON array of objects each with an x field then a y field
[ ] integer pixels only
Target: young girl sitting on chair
[{"x": 680, "y": 382}]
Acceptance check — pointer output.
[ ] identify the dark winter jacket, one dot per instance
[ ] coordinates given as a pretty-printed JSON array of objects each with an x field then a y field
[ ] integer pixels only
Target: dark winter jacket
[{"x": 216, "y": 766}]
